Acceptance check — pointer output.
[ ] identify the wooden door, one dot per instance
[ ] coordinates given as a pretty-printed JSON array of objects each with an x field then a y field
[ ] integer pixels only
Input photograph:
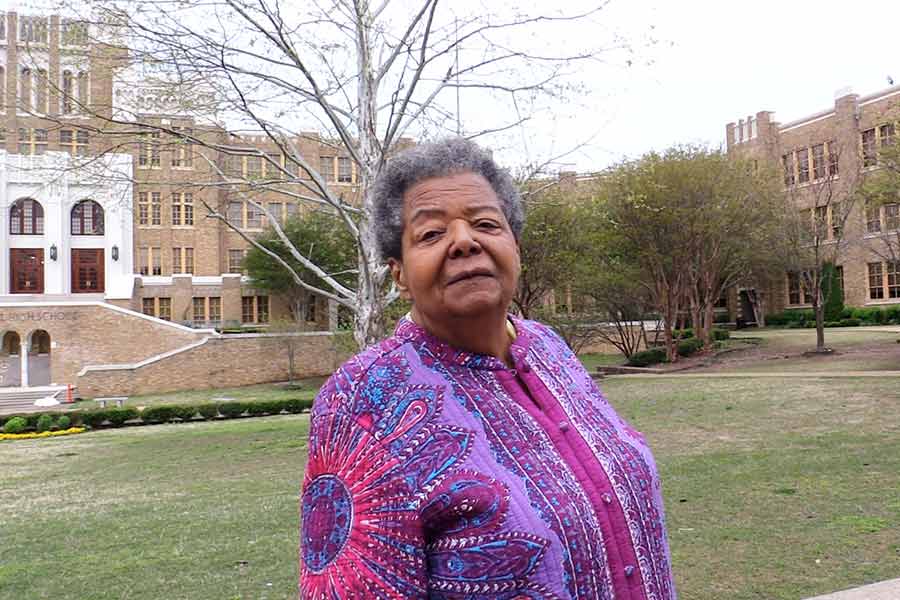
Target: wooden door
[
  {"x": 87, "y": 270},
  {"x": 27, "y": 270}
]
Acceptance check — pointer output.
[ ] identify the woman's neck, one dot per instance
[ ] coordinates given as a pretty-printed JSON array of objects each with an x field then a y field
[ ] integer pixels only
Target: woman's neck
[{"x": 485, "y": 334}]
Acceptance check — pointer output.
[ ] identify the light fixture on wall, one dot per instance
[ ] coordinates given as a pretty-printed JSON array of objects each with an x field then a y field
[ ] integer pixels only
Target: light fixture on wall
[
  {"x": 115, "y": 253},
  {"x": 53, "y": 253}
]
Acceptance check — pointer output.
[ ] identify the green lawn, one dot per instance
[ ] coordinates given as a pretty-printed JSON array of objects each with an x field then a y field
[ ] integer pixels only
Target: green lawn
[{"x": 774, "y": 489}]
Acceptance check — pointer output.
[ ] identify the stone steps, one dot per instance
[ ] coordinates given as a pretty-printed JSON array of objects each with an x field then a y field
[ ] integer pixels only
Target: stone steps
[{"x": 16, "y": 400}]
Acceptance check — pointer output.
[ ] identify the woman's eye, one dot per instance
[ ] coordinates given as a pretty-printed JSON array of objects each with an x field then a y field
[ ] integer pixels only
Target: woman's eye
[
  {"x": 431, "y": 234},
  {"x": 487, "y": 225}
]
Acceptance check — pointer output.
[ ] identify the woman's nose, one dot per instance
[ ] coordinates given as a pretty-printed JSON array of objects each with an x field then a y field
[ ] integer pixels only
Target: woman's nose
[{"x": 463, "y": 242}]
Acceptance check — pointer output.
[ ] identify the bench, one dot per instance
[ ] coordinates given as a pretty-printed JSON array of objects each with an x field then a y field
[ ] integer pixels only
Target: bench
[{"x": 119, "y": 400}]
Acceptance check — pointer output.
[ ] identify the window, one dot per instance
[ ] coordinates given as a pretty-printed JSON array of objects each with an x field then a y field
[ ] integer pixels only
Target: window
[
  {"x": 832, "y": 159},
  {"x": 803, "y": 165},
  {"x": 33, "y": 29},
  {"x": 74, "y": 33},
  {"x": 40, "y": 85},
  {"x": 837, "y": 220},
  {"x": 793, "y": 288},
  {"x": 148, "y": 152},
  {"x": 273, "y": 166},
  {"x": 886, "y": 134},
  {"x": 345, "y": 170},
  {"x": 310, "y": 315},
  {"x": 893, "y": 279},
  {"x": 32, "y": 141},
  {"x": 873, "y": 219},
  {"x": 160, "y": 308},
  {"x": 891, "y": 217},
  {"x": 876, "y": 282},
  {"x": 149, "y": 260},
  {"x": 87, "y": 218},
  {"x": 74, "y": 142},
  {"x": 254, "y": 167},
  {"x": 207, "y": 311},
  {"x": 149, "y": 211},
  {"x": 26, "y": 217},
  {"x": 183, "y": 208},
  {"x": 275, "y": 209},
  {"x": 82, "y": 90},
  {"x": 183, "y": 152},
  {"x": 290, "y": 210},
  {"x": 254, "y": 217},
  {"x": 68, "y": 93},
  {"x": 326, "y": 167},
  {"x": 235, "y": 213},
  {"x": 234, "y": 166},
  {"x": 2, "y": 83},
  {"x": 182, "y": 260},
  {"x": 236, "y": 260},
  {"x": 255, "y": 309},
  {"x": 25, "y": 88},
  {"x": 821, "y": 221},
  {"x": 870, "y": 158},
  {"x": 787, "y": 162},
  {"x": 839, "y": 271},
  {"x": 2, "y": 26},
  {"x": 818, "y": 152}
]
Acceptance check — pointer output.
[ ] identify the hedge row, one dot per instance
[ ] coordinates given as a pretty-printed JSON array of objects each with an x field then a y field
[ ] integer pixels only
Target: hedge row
[
  {"x": 717, "y": 334},
  {"x": 871, "y": 315},
  {"x": 164, "y": 413},
  {"x": 653, "y": 356}
]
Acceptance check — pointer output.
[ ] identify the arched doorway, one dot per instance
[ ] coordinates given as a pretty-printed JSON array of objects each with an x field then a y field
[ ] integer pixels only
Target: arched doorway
[
  {"x": 10, "y": 360},
  {"x": 38, "y": 358}
]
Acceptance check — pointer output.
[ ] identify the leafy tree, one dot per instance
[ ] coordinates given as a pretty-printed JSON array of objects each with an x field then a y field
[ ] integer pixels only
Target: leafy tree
[
  {"x": 322, "y": 239},
  {"x": 831, "y": 286}
]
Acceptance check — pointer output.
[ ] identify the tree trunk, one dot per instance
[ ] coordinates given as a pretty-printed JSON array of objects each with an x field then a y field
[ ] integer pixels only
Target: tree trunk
[
  {"x": 709, "y": 316},
  {"x": 820, "y": 326}
]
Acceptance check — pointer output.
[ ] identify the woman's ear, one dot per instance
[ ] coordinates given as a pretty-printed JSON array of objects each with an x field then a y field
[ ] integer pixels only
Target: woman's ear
[{"x": 399, "y": 277}]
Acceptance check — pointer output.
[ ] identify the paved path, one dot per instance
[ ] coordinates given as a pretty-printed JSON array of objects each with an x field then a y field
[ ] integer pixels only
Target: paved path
[
  {"x": 804, "y": 375},
  {"x": 886, "y": 590}
]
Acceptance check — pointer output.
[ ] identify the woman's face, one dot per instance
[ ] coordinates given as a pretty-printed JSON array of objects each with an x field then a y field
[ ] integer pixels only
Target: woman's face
[{"x": 459, "y": 256}]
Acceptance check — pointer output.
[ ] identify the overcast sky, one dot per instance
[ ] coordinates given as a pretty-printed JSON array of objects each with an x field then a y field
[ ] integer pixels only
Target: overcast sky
[{"x": 719, "y": 61}]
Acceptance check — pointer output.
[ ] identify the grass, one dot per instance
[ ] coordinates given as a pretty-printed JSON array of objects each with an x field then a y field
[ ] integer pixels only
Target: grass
[
  {"x": 594, "y": 360},
  {"x": 776, "y": 489}
]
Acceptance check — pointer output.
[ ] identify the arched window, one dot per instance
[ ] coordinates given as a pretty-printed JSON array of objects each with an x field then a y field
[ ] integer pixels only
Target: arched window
[
  {"x": 26, "y": 217},
  {"x": 87, "y": 218}
]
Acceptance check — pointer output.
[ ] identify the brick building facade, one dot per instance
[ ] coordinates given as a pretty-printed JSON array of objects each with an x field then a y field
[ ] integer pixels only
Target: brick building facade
[
  {"x": 838, "y": 146},
  {"x": 140, "y": 236}
]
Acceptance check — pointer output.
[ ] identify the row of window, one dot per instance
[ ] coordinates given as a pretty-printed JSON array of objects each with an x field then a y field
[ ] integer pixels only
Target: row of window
[
  {"x": 207, "y": 310},
  {"x": 874, "y": 138},
  {"x": 825, "y": 221},
  {"x": 274, "y": 165},
  {"x": 35, "y": 30},
  {"x": 181, "y": 151},
  {"x": 36, "y": 140},
  {"x": 34, "y": 88},
  {"x": 149, "y": 260},
  {"x": 150, "y": 208},
  {"x": 881, "y": 286},
  {"x": 26, "y": 217},
  {"x": 245, "y": 215},
  {"x": 883, "y": 282},
  {"x": 885, "y": 217},
  {"x": 818, "y": 160}
]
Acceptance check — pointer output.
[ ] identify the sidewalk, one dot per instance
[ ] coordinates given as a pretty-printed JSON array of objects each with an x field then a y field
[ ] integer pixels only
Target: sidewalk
[{"x": 886, "y": 590}]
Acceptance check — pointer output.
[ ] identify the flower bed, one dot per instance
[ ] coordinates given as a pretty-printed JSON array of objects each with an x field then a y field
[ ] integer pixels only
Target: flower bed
[{"x": 33, "y": 435}]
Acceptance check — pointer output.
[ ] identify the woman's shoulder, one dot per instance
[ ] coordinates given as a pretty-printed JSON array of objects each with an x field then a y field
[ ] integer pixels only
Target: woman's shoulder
[{"x": 382, "y": 361}]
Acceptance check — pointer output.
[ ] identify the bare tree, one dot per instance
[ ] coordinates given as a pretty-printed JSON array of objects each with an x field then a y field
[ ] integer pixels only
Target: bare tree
[
  {"x": 365, "y": 76},
  {"x": 820, "y": 199}
]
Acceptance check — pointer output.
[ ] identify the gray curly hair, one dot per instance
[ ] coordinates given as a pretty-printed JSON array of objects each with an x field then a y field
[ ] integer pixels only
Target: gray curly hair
[{"x": 436, "y": 159}]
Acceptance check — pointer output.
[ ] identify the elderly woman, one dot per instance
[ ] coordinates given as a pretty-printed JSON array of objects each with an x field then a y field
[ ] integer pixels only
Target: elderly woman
[{"x": 469, "y": 455}]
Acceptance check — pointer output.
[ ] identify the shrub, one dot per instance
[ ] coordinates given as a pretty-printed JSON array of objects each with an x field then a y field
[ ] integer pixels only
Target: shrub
[
  {"x": 185, "y": 412},
  {"x": 683, "y": 334},
  {"x": 63, "y": 422},
  {"x": 800, "y": 315},
  {"x": 720, "y": 334},
  {"x": 721, "y": 318},
  {"x": 872, "y": 315},
  {"x": 44, "y": 423},
  {"x": 891, "y": 313},
  {"x": 297, "y": 405},
  {"x": 645, "y": 358},
  {"x": 161, "y": 413},
  {"x": 230, "y": 410},
  {"x": 832, "y": 323},
  {"x": 689, "y": 346},
  {"x": 15, "y": 425},
  {"x": 831, "y": 289},
  {"x": 116, "y": 417},
  {"x": 847, "y": 312},
  {"x": 208, "y": 411},
  {"x": 850, "y": 322}
]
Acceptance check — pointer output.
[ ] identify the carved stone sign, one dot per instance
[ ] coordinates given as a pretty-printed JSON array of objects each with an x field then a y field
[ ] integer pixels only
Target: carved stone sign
[{"x": 39, "y": 315}]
